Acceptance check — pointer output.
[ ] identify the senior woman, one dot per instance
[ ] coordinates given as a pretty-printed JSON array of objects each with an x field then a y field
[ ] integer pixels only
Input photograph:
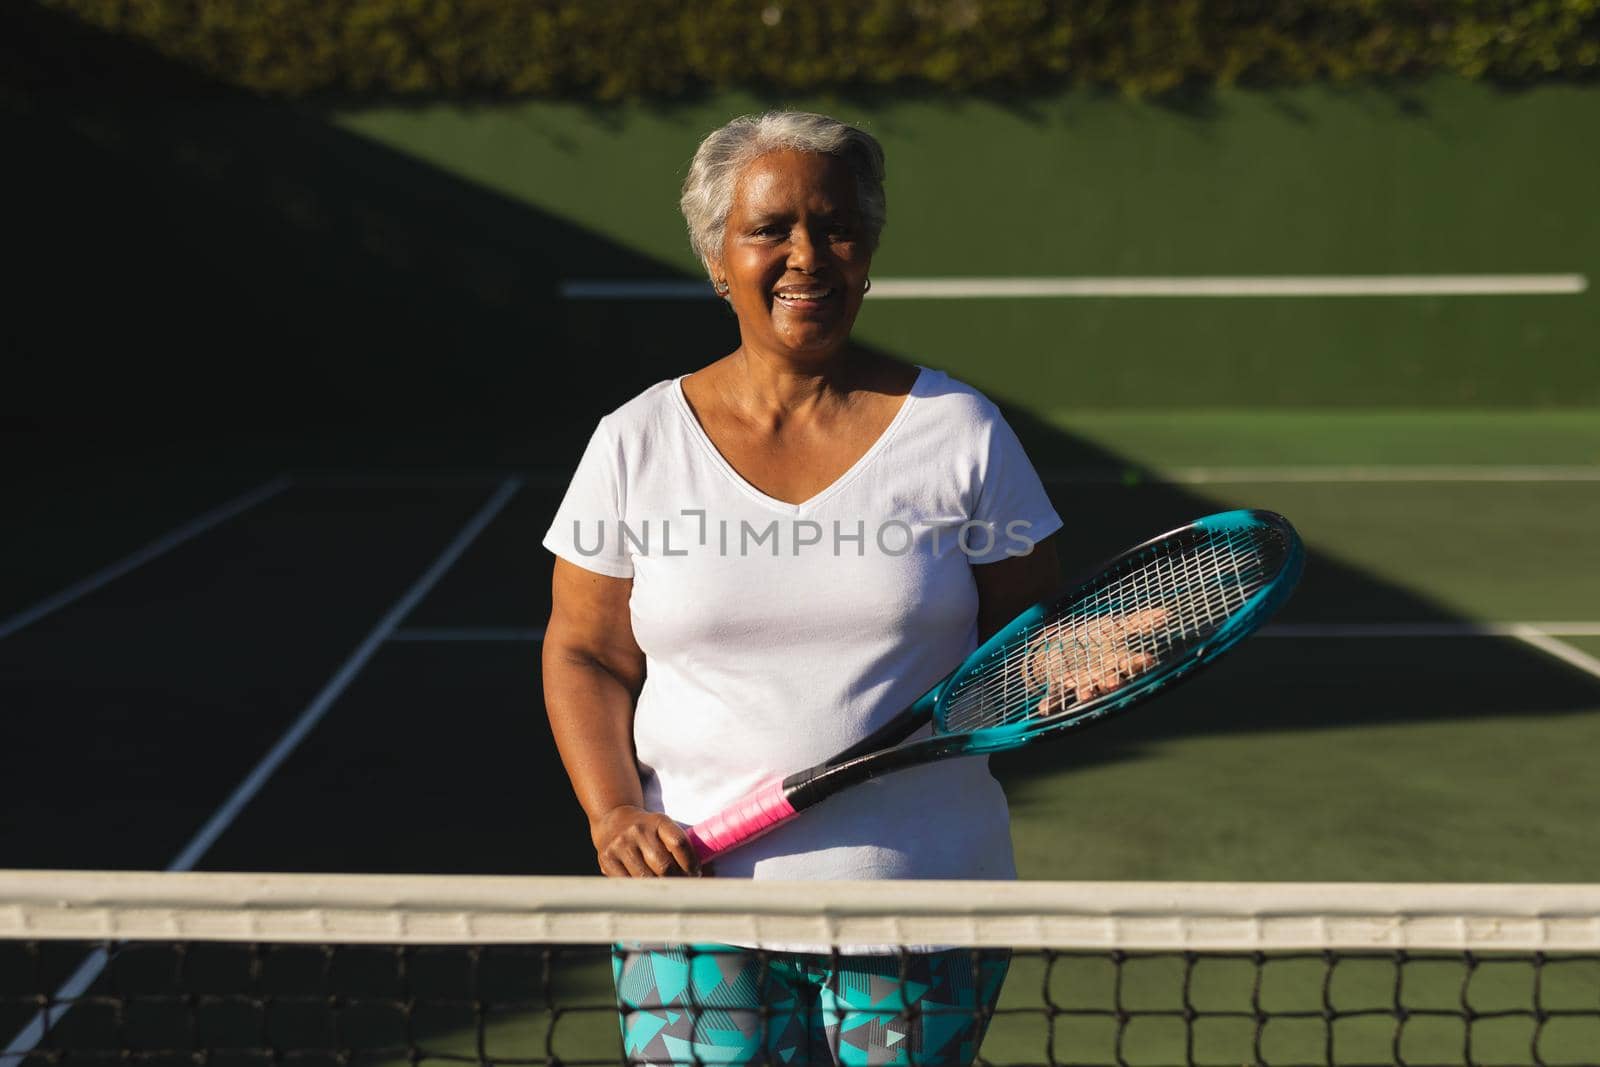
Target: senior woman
[{"x": 760, "y": 562}]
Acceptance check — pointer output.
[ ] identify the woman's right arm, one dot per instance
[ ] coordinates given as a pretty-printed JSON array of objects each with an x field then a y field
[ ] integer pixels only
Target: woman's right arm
[{"x": 593, "y": 672}]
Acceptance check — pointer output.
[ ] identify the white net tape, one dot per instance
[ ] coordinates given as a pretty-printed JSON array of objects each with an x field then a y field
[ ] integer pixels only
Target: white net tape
[{"x": 385, "y": 909}]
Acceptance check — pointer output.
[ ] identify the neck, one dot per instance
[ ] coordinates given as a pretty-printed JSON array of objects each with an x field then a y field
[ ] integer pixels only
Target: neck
[{"x": 770, "y": 389}]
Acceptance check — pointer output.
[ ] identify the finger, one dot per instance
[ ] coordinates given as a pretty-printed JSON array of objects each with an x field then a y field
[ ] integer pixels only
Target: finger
[
  {"x": 1129, "y": 664},
  {"x": 1142, "y": 621},
  {"x": 1147, "y": 620},
  {"x": 659, "y": 860},
  {"x": 1140, "y": 662},
  {"x": 1038, "y": 666},
  {"x": 655, "y": 854},
  {"x": 1121, "y": 627},
  {"x": 645, "y": 843},
  {"x": 1062, "y": 696},
  {"x": 610, "y": 867},
  {"x": 629, "y": 857},
  {"x": 1054, "y": 666},
  {"x": 1107, "y": 681},
  {"x": 677, "y": 845},
  {"x": 613, "y": 859}
]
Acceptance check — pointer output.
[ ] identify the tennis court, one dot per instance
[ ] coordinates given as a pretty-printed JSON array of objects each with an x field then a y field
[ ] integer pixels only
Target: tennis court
[
  {"x": 1425, "y": 710},
  {"x": 314, "y": 646},
  {"x": 1389, "y": 727}
]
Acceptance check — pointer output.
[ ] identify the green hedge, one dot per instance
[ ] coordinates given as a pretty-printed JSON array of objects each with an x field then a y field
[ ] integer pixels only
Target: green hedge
[{"x": 615, "y": 49}]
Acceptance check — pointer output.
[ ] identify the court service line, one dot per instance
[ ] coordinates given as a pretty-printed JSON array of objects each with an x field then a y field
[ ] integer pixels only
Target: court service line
[
  {"x": 532, "y": 479},
  {"x": 1431, "y": 629},
  {"x": 1098, "y": 287},
  {"x": 1290, "y": 475},
  {"x": 1540, "y": 635},
  {"x": 223, "y": 817},
  {"x": 422, "y": 635},
  {"x": 1128, "y": 475},
  {"x": 160, "y": 546}
]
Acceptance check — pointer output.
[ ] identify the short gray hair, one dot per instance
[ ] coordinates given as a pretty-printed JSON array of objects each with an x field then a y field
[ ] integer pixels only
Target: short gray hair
[{"x": 723, "y": 155}]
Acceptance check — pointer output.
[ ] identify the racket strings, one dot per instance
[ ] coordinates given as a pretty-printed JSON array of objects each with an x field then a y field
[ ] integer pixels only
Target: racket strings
[{"x": 1150, "y": 610}]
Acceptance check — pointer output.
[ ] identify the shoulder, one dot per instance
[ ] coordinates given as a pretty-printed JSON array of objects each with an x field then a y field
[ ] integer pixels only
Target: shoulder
[
  {"x": 642, "y": 416},
  {"x": 955, "y": 403}
]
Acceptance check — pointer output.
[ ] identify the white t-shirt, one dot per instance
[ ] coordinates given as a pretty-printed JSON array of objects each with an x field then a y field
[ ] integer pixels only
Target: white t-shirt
[{"x": 777, "y": 634}]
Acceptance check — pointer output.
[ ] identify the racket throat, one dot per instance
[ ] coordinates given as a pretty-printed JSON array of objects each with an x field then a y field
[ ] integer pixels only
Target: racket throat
[
  {"x": 892, "y": 732},
  {"x": 809, "y": 787}
]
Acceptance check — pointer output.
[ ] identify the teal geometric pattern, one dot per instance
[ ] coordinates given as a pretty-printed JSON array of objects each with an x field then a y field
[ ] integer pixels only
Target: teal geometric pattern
[{"x": 715, "y": 1004}]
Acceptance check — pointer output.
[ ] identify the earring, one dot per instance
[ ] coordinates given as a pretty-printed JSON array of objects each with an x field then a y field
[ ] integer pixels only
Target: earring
[
  {"x": 865, "y": 289},
  {"x": 720, "y": 287}
]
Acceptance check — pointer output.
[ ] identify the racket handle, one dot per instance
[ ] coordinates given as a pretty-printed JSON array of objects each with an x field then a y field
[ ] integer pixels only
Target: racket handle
[{"x": 758, "y": 811}]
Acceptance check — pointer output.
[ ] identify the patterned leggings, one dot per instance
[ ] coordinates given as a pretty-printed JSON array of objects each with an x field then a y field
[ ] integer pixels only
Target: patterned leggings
[{"x": 713, "y": 1004}]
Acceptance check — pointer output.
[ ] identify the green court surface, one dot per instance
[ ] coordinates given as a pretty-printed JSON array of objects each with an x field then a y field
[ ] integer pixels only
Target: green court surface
[
  {"x": 1421, "y": 757},
  {"x": 1443, "y": 178},
  {"x": 1164, "y": 440}
]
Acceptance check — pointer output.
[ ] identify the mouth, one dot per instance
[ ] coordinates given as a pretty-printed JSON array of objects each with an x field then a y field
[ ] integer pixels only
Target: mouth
[{"x": 806, "y": 299}]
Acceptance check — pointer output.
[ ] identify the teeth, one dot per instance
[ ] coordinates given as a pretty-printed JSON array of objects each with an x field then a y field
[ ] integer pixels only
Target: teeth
[{"x": 817, "y": 294}]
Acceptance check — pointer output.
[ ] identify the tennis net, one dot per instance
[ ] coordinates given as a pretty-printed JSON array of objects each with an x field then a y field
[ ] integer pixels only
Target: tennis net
[{"x": 235, "y": 969}]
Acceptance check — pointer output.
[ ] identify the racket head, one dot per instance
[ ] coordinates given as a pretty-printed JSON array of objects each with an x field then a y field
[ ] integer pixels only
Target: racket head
[{"x": 1163, "y": 609}]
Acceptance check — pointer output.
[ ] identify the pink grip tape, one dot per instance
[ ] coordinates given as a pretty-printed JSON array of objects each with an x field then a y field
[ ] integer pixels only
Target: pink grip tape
[{"x": 746, "y": 819}]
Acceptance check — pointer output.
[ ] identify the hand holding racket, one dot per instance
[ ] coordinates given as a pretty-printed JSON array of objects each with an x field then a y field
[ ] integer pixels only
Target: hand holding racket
[
  {"x": 1107, "y": 653},
  {"x": 1146, "y": 619}
]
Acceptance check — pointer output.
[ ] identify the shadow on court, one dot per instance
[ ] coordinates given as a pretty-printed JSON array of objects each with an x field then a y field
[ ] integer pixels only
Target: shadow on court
[{"x": 224, "y": 288}]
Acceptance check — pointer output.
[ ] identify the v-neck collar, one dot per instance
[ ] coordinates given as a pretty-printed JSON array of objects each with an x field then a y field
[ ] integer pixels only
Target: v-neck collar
[{"x": 698, "y": 432}]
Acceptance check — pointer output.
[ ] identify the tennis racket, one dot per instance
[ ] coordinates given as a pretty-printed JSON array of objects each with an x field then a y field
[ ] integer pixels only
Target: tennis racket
[{"x": 1142, "y": 621}]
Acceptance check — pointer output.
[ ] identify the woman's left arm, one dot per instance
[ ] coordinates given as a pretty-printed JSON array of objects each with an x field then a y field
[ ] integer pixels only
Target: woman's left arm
[{"x": 1007, "y": 587}]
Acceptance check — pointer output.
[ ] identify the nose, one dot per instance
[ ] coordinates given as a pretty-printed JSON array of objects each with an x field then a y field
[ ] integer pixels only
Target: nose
[{"x": 804, "y": 250}]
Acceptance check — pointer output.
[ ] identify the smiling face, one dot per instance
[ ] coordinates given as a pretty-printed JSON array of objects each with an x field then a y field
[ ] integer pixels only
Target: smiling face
[{"x": 794, "y": 255}]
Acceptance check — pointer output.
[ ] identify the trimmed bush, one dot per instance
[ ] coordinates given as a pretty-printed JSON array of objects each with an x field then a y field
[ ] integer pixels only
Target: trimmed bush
[{"x": 621, "y": 49}]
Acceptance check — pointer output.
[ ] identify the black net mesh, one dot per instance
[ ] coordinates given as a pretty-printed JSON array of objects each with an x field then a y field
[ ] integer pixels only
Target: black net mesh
[{"x": 224, "y": 1004}]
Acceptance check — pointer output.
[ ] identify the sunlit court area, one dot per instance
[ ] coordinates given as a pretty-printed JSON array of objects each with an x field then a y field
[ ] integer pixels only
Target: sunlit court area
[{"x": 316, "y": 310}]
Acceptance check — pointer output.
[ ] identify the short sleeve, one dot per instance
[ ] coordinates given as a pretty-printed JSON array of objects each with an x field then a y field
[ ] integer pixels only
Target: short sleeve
[
  {"x": 1012, "y": 502},
  {"x": 585, "y": 529}
]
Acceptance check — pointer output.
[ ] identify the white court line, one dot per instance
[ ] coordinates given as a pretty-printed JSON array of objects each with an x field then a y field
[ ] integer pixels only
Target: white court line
[
  {"x": 468, "y": 633},
  {"x": 313, "y": 713},
  {"x": 1219, "y": 286},
  {"x": 1129, "y": 475},
  {"x": 1539, "y": 635},
  {"x": 536, "y": 479},
  {"x": 1315, "y": 474},
  {"x": 1430, "y": 629},
  {"x": 166, "y": 543},
  {"x": 1573, "y": 657},
  {"x": 90, "y": 969},
  {"x": 1291, "y": 630}
]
